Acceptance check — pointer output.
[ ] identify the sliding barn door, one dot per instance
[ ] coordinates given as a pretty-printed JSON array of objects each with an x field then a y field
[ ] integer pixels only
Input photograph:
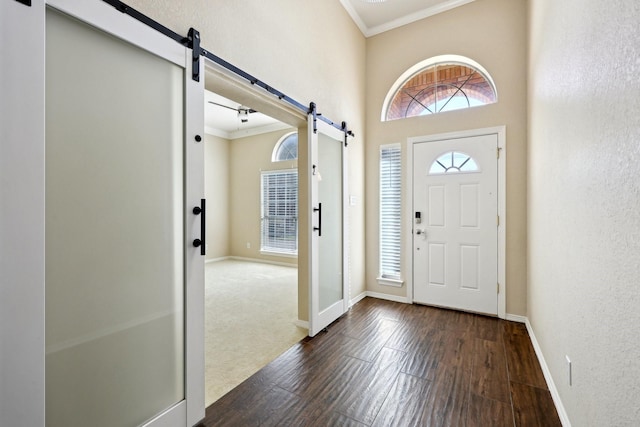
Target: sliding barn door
[
  {"x": 123, "y": 173},
  {"x": 329, "y": 293}
]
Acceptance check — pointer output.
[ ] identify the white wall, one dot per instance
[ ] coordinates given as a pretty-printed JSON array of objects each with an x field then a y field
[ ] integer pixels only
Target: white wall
[{"x": 584, "y": 203}]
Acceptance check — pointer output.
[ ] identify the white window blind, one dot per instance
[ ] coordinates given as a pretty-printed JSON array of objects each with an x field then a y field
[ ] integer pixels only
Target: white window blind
[
  {"x": 279, "y": 215},
  {"x": 390, "y": 192}
]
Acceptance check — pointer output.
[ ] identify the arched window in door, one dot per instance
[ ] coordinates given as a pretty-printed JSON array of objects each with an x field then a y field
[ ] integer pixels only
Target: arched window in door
[
  {"x": 439, "y": 84},
  {"x": 453, "y": 162}
]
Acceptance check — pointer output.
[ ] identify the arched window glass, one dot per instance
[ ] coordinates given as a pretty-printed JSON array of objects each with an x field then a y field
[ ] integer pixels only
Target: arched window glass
[
  {"x": 286, "y": 148},
  {"x": 453, "y": 162},
  {"x": 437, "y": 85}
]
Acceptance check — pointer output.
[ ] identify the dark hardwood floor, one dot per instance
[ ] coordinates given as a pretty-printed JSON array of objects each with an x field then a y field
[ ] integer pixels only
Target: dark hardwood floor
[{"x": 390, "y": 364}]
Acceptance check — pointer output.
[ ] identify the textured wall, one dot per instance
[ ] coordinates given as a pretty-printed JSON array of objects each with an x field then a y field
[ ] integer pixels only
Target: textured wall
[
  {"x": 584, "y": 203},
  {"x": 493, "y": 33}
]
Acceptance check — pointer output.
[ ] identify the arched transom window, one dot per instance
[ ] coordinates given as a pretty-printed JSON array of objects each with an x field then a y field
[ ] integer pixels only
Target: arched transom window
[
  {"x": 286, "y": 148},
  {"x": 437, "y": 85}
]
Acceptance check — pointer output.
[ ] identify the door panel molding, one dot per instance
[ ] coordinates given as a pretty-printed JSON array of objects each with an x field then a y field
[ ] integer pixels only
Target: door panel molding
[{"x": 500, "y": 132}]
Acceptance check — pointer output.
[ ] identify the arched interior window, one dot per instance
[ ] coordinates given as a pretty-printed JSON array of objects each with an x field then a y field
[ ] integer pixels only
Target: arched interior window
[
  {"x": 286, "y": 148},
  {"x": 452, "y": 162},
  {"x": 437, "y": 85}
]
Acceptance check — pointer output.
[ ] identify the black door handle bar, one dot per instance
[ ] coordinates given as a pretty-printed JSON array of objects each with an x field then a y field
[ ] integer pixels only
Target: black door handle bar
[
  {"x": 201, "y": 242},
  {"x": 319, "y": 227}
]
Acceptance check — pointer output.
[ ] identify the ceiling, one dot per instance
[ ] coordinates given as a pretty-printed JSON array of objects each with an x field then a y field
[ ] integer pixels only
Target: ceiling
[
  {"x": 375, "y": 17},
  {"x": 225, "y": 123}
]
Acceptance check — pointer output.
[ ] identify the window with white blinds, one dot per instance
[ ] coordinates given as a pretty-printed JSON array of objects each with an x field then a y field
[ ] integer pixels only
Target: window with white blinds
[
  {"x": 279, "y": 215},
  {"x": 390, "y": 192}
]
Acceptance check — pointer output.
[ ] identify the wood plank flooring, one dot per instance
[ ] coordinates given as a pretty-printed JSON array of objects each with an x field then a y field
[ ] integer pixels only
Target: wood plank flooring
[{"x": 390, "y": 364}]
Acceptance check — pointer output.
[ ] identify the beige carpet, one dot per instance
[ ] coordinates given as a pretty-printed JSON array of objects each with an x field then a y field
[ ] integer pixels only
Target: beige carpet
[{"x": 250, "y": 310}]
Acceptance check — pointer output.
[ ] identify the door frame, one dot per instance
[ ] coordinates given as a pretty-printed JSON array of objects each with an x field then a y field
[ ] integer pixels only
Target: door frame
[
  {"x": 221, "y": 81},
  {"x": 500, "y": 132}
]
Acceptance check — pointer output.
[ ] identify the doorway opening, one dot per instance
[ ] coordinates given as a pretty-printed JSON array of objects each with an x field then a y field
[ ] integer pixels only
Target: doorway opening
[{"x": 251, "y": 270}]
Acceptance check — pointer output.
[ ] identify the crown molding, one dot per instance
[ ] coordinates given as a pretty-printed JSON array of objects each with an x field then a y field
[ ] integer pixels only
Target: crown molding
[{"x": 399, "y": 22}]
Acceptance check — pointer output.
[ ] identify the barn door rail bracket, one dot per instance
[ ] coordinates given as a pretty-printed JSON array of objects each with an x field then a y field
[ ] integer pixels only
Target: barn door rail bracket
[
  {"x": 194, "y": 41},
  {"x": 314, "y": 112},
  {"x": 347, "y": 133}
]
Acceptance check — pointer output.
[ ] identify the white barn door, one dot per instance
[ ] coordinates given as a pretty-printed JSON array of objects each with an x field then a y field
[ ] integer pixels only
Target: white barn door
[
  {"x": 329, "y": 292},
  {"x": 124, "y": 170}
]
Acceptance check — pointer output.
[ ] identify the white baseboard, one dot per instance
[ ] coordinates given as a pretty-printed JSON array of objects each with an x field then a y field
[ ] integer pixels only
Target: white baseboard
[
  {"x": 260, "y": 260},
  {"x": 516, "y": 318},
  {"x": 562, "y": 413},
  {"x": 387, "y": 297},
  {"x": 222, "y": 258},
  {"x": 263, "y": 261},
  {"x": 357, "y": 299}
]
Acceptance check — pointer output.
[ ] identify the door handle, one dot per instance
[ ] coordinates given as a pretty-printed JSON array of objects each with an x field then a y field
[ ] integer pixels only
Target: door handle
[
  {"x": 201, "y": 242},
  {"x": 421, "y": 232},
  {"x": 319, "y": 227}
]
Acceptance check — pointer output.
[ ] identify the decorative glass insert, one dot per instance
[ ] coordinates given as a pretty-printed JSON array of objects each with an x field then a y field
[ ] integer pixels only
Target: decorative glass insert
[
  {"x": 440, "y": 87},
  {"x": 286, "y": 148},
  {"x": 453, "y": 162}
]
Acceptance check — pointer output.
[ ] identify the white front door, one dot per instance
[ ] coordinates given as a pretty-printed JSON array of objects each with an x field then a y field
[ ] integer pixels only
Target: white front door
[
  {"x": 455, "y": 223},
  {"x": 329, "y": 294}
]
